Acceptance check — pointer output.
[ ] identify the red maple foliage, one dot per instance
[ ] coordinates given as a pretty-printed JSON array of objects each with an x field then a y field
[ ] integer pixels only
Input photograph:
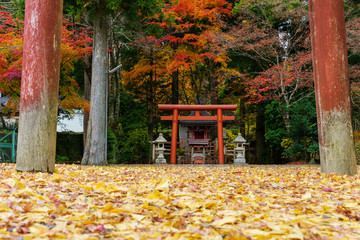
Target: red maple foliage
[
  {"x": 185, "y": 43},
  {"x": 76, "y": 42}
]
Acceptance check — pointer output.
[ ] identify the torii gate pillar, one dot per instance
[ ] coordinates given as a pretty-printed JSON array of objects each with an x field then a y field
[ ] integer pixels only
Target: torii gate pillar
[
  {"x": 220, "y": 135},
  {"x": 39, "y": 86},
  {"x": 174, "y": 132},
  {"x": 332, "y": 87}
]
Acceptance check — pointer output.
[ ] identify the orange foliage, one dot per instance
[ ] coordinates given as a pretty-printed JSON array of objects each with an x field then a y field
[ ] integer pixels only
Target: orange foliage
[
  {"x": 74, "y": 45},
  {"x": 356, "y": 136},
  {"x": 187, "y": 45}
]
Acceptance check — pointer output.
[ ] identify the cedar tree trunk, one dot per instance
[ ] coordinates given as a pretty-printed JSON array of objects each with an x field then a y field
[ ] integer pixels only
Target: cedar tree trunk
[
  {"x": 175, "y": 87},
  {"x": 260, "y": 137},
  {"x": 87, "y": 94},
  {"x": 94, "y": 153}
]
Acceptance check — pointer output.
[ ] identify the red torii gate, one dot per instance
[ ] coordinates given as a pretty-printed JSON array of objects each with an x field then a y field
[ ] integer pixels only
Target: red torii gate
[{"x": 197, "y": 108}]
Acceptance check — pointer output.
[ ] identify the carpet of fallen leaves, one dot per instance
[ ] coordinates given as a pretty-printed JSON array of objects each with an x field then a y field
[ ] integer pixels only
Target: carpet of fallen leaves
[{"x": 179, "y": 202}]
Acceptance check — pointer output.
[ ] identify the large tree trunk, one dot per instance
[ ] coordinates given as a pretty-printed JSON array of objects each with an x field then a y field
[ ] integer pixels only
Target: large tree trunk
[
  {"x": 150, "y": 109},
  {"x": 242, "y": 114},
  {"x": 260, "y": 137},
  {"x": 332, "y": 87},
  {"x": 175, "y": 87},
  {"x": 39, "y": 86},
  {"x": 87, "y": 95},
  {"x": 96, "y": 154},
  {"x": 112, "y": 98},
  {"x": 117, "y": 101},
  {"x": 112, "y": 119},
  {"x": 213, "y": 84},
  {"x": 285, "y": 114}
]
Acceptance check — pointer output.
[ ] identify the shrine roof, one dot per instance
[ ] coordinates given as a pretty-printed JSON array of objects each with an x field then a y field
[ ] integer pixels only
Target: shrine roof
[
  {"x": 198, "y": 122},
  {"x": 180, "y": 107}
]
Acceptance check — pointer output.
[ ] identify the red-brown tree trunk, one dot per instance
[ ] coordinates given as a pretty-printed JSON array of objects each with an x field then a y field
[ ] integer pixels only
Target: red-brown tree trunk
[
  {"x": 39, "y": 86},
  {"x": 332, "y": 87}
]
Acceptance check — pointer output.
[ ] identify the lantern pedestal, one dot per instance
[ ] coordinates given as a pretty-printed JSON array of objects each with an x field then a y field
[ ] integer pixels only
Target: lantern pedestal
[
  {"x": 240, "y": 159},
  {"x": 160, "y": 159},
  {"x": 240, "y": 149},
  {"x": 160, "y": 149}
]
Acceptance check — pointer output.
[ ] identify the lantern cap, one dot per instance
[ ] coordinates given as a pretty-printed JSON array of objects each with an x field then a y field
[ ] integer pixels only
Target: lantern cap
[
  {"x": 160, "y": 139},
  {"x": 239, "y": 139}
]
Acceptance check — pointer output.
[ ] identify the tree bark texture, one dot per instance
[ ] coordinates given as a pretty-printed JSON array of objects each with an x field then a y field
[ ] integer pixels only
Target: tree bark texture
[
  {"x": 95, "y": 153},
  {"x": 115, "y": 45},
  {"x": 332, "y": 87},
  {"x": 87, "y": 94},
  {"x": 175, "y": 87},
  {"x": 118, "y": 100},
  {"x": 260, "y": 137},
  {"x": 112, "y": 98},
  {"x": 242, "y": 114},
  {"x": 39, "y": 86}
]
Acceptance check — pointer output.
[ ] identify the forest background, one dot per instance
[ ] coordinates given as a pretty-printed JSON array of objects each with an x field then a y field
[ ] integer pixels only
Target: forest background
[{"x": 256, "y": 54}]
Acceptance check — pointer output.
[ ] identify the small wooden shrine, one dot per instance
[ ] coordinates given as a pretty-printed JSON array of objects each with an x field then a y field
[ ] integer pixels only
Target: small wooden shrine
[
  {"x": 197, "y": 139},
  {"x": 196, "y": 130}
]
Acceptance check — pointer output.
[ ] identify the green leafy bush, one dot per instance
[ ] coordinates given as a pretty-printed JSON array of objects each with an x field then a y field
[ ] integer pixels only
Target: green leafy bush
[
  {"x": 297, "y": 142},
  {"x": 134, "y": 146},
  {"x": 303, "y": 132},
  {"x": 62, "y": 159},
  {"x": 132, "y": 136},
  {"x": 112, "y": 147}
]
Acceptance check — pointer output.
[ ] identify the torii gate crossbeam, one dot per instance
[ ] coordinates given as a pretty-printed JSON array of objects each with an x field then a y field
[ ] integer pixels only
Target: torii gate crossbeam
[{"x": 176, "y": 117}]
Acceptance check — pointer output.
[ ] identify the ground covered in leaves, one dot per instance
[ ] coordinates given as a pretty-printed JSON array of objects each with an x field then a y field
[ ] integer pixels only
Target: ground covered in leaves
[{"x": 179, "y": 202}]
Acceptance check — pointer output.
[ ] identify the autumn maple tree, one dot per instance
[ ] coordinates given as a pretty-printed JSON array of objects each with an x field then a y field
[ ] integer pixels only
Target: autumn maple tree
[
  {"x": 10, "y": 60},
  {"x": 274, "y": 34},
  {"x": 75, "y": 43},
  {"x": 185, "y": 32},
  {"x": 179, "y": 59}
]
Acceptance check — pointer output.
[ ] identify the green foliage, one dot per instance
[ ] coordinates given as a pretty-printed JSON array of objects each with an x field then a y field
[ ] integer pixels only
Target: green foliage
[
  {"x": 62, "y": 159},
  {"x": 357, "y": 146},
  {"x": 18, "y": 9},
  {"x": 230, "y": 135},
  {"x": 112, "y": 146},
  {"x": 135, "y": 146},
  {"x": 303, "y": 130},
  {"x": 180, "y": 151},
  {"x": 274, "y": 124},
  {"x": 357, "y": 152},
  {"x": 133, "y": 139},
  {"x": 301, "y": 139},
  {"x": 273, "y": 10}
]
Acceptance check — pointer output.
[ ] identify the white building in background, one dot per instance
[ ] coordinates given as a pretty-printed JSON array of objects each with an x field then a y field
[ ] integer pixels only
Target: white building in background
[
  {"x": 64, "y": 124},
  {"x": 72, "y": 124}
]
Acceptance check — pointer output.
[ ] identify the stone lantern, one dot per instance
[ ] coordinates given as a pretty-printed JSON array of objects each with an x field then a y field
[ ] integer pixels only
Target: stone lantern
[
  {"x": 240, "y": 149},
  {"x": 160, "y": 148}
]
